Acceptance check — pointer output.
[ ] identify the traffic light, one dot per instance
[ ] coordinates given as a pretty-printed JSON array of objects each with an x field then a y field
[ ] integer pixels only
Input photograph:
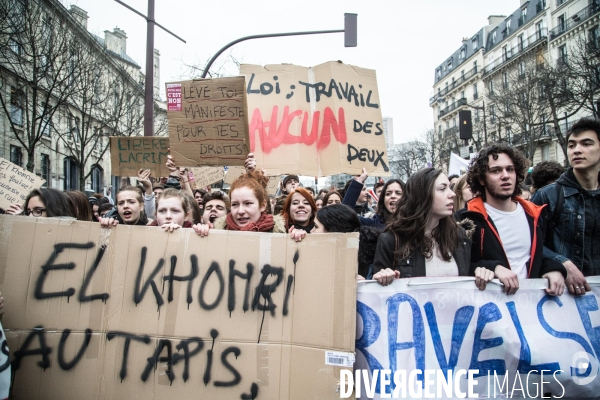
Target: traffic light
[
  {"x": 465, "y": 125},
  {"x": 350, "y": 30}
]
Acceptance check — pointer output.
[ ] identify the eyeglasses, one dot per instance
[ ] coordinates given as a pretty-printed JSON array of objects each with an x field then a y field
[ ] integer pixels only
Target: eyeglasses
[{"x": 36, "y": 212}]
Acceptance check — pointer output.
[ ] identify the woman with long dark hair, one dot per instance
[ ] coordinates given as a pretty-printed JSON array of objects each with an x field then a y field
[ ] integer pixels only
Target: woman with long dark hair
[
  {"x": 423, "y": 239},
  {"x": 43, "y": 202},
  {"x": 386, "y": 204}
]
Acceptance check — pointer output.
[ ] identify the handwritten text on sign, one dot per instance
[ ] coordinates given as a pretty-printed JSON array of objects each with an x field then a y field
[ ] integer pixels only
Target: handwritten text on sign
[
  {"x": 204, "y": 176},
  {"x": 315, "y": 121},
  {"x": 208, "y": 121},
  {"x": 513, "y": 341},
  {"x": 185, "y": 317},
  {"x": 16, "y": 183},
  {"x": 129, "y": 154}
]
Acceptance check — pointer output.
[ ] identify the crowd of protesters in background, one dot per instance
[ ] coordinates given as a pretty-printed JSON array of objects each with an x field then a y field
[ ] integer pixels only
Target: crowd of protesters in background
[{"x": 481, "y": 224}]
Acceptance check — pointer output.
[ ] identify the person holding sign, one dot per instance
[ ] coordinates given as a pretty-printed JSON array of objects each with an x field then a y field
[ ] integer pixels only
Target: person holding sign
[
  {"x": 509, "y": 236},
  {"x": 43, "y": 203},
  {"x": 130, "y": 209},
  {"x": 423, "y": 239},
  {"x": 248, "y": 205},
  {"x": 172, "y": 211},
  {"x": 299, "y": 212},
  {"x": 386, "y": 205},
  {"x": 216, "y": 205}
]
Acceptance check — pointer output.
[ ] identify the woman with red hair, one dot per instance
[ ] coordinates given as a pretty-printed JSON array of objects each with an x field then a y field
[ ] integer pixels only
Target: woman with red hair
[
  {"x": 299, "y": 210},
  {"x": 248, "y": 204}
]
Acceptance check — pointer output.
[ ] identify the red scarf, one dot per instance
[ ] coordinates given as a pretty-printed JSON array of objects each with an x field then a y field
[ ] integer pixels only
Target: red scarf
[{"x": 264, "y": 224}]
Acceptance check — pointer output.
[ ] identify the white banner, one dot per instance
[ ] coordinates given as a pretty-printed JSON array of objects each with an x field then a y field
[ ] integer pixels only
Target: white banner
[{"x": 447, "y": 324}]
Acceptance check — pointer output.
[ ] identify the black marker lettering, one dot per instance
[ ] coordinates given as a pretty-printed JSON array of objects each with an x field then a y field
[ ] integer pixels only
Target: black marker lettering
[
  {"x": 61, "y": 349},
  {"x": 144, "y": 339},
  {"x": 265, "y": 290},
  {"x": 236, "y": 375},
  {"x": 88, "y": 278},
  {"x": 189, "y": 278},
  {"x": 155, "y": 359},
  {"x": 214, "y": 267},
  {"x": 247, "y": 276},
  {"x": 138, "y": 295},
  {"x": 43, "y": 350},
  {"x": 50, "y": 266},
  {"x": 187, "y": 354}
]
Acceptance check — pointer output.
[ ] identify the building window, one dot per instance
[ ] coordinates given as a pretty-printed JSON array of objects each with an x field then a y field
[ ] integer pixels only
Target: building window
[
  {"x": 493, "y": 38},
  {"x": 475, "y": 95},
  {"x": 562, "y": 55},
  {"x": 46, "y": 168},
  {"x": 491, "y": 87},
  {"x": 46, "y": 126},
  {"x": 97, "y": 175},
  {"x": 505, "y": 80},
  {"x": 462, "y": 95},
  {"x": 493, "y": 114},
  {"x": 508, "y": 21},
  {"x": 450, "y": 64},
  {"x": 462, "y": 54},
  {"x": 593, "y": 36},
  {"x": 439, "y": 73},
  {"x": 520, "y": 42},
  {"x": 560, "y": 22},
  {"x": 546, "y": 152},
  {"x": 16, "y": 155},
  {"x": 15, "y": 47},
  {"x": 474, "y": 43},
  {"x": 71, "y": 174},
  {"x": 522, "y": 69},
  {"x": 16, "y": 106}
]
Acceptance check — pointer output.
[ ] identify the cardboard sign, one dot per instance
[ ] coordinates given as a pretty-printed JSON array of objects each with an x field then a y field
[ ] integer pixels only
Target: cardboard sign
[
  {"x": 233, "y": 173},
  {"x": 208, "y": 122},
  {"x": 418, "y": 324},
  {"x": 273, "y": 184},
  {"x": 129, "y": 154},
  {"x": 138, "y": 313},
  {"x": 205, "y": 176},
  {"x": 16, "y": 183},
  {"x": 317, "y": 121}
]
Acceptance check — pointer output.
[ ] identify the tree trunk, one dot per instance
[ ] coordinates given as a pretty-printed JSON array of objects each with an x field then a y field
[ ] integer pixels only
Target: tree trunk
[{"x": 30, "y": 159}]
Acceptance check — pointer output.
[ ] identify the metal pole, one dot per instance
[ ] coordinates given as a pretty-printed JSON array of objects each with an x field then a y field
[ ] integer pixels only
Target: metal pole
[
  {"x": 149, "y": 96},
  {"x": 268, "y": 35}
]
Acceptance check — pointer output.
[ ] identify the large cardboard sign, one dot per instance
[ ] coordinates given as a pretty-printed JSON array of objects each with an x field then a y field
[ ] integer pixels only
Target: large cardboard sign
[
  {"x": 316, "y": 121},
  {"x": 128, "y": 154},
  {"x": 208, "y": 121},
  {"x": 137, "y": 313},
  {"x": 16, "y": 183},
  {"x": 418, "y": 324}
]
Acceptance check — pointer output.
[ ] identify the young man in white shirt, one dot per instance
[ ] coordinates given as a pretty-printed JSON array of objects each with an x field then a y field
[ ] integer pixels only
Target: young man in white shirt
[{"x": 509, "y": 235}]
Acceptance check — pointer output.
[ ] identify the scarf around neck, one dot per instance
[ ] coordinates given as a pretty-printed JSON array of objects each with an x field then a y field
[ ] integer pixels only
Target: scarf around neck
[{"x": 264, "y": 224}]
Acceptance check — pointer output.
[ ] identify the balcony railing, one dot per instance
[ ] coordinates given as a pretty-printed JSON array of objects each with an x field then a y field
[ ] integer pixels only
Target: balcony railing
[
  {"x": 453, "y": 106},
  {"x": 510, "y": 54},
  {"x": 575, "y": 20},
  {"x": 450, "y": 132},
  {"x": 463, "y": 78}
]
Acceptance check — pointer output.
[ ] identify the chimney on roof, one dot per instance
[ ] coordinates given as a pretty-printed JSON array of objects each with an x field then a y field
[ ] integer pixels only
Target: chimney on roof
[
  {"x": 116, "y": 41},
  {"x": 495, "y": 20},
  {"x": 465, "y": 39},
  {"x": 80, "y": 15}
]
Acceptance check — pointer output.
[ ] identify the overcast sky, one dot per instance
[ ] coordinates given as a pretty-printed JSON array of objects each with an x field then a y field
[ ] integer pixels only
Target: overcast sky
[{"x": 404, "y": 41}]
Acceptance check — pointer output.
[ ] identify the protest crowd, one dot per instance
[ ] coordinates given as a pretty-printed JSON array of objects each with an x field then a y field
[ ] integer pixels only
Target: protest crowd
[{"x": 482, "y": 224}]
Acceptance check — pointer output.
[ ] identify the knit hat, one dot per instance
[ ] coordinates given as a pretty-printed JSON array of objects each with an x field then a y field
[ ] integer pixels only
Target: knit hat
[{"x": 287, "y": 178}]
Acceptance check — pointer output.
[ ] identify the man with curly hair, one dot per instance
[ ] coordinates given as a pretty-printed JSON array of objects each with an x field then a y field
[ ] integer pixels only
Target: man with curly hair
[
  {"x": 509, "y": 235},
  {"x": 575, "y": 235},
  {"x": 545, "y": 173}
]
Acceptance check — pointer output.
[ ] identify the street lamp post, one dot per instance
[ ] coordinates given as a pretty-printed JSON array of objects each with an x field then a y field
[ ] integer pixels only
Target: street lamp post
[
  {"x": 349, "y": 38},
  {"x": 149, "y": 84}
]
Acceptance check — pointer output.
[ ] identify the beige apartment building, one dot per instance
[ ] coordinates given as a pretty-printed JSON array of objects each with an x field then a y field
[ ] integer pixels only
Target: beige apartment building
[
  {"x": 487, "y": 63},
  {"x": 52, "y": 158}
]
